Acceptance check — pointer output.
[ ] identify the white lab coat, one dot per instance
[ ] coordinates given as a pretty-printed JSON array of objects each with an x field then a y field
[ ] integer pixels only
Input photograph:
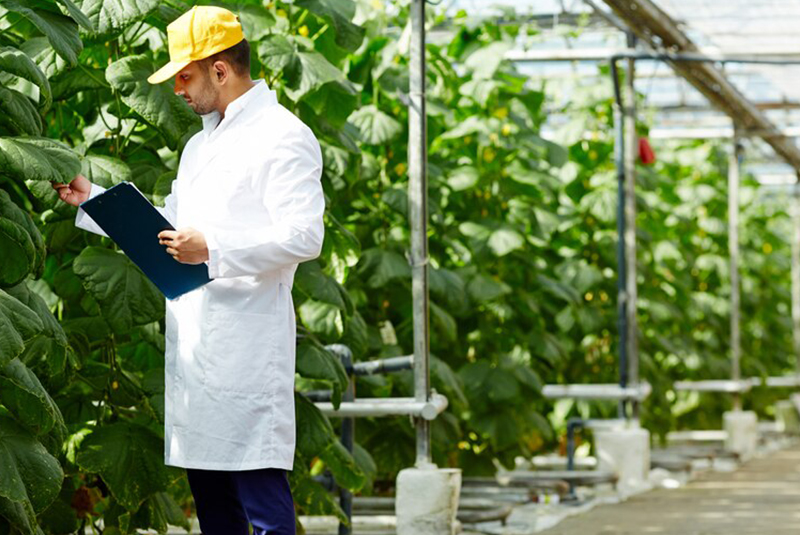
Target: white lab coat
[{"x": 252, "y": 187}]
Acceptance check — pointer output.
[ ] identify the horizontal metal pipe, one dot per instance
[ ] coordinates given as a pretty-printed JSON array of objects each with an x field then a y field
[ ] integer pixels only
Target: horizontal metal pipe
[
  {"x": 361, "y": 408},
  {"x": 604, "y": 54},
  {"x": 393, "y": 364},
  {"x": 598, "y": 391},
  {"x": 728, "y": 386}
]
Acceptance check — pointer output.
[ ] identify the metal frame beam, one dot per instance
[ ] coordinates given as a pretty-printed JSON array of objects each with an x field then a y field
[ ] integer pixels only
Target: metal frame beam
[{"x": 657, "y": 28}]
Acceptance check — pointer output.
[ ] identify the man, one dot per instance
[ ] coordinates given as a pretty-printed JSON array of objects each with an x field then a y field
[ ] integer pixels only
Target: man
[{"x": 247, "y": 199}]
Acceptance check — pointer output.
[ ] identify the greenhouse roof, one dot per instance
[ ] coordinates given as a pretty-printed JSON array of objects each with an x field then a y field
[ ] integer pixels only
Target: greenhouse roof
[{"x": 722, "y": 28}]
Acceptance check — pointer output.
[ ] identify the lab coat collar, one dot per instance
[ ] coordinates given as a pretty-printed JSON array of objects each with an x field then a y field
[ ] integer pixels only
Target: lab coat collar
[{"x": 259, "y": 95}]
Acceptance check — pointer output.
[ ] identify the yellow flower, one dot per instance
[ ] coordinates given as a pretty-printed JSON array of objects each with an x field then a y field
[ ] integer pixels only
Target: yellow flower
[
  {"x": 303, "y": 30},
  {"x": 767, "y": 248},
  {"x": 400, "y": 168},
  {"x": 114, "y": 385},
  {"x": 494, "y": 138},
  {"x": 488, "y": 155},
  {"x": 506, "y": 131},
  {"x": 501, "y": 113},
  {"x": 281, "y": 13}
]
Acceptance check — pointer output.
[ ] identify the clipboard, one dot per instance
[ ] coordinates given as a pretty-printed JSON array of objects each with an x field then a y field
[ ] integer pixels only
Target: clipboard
[{"x": 134, "y": 223}]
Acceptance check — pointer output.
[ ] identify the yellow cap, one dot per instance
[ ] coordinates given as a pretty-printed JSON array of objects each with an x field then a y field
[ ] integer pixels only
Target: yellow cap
[{"x": 197, "y": 34}]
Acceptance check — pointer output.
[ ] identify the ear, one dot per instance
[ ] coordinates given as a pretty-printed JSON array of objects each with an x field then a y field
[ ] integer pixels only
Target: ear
[{"x": 220, "y": 71}]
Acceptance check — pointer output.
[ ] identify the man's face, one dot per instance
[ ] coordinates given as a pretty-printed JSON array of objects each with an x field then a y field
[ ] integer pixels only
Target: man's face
[{"x": 195, "y": 86}]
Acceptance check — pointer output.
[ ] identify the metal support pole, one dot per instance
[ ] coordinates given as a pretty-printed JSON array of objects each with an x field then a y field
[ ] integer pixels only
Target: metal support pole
[
  {"x": 622, "y": 296},
  {"x": 631, "y": 152},
  {"x": 348, "y": 440},
  {"x": 418, "y": 214},
  {"x": 795, "y": 209},
  {"x": 733, "y": 248}
]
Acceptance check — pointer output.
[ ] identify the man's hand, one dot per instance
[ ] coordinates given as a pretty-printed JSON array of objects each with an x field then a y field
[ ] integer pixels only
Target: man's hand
[
  {"x": 186, "y": 245},
  {"x": 75, "y": 192}
]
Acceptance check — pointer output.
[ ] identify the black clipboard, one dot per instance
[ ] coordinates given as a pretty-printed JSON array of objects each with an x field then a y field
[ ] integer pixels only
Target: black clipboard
[{"x": 133, "y": 223}]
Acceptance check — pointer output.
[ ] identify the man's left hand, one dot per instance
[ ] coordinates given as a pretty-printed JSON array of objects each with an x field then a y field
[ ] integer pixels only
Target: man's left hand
[{"x": 186, "y": 245}]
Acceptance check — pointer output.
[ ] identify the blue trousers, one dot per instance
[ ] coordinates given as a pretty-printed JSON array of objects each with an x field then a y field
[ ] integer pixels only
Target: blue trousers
[{"x": 228, "y": 502}]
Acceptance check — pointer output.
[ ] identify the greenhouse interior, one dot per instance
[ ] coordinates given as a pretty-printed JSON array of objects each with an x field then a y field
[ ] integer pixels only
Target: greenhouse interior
[{"x": 444, "y": 266}]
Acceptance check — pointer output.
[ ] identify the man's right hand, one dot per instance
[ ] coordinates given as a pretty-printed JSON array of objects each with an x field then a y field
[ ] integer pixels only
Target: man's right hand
[{"x": 75, "y": 192}]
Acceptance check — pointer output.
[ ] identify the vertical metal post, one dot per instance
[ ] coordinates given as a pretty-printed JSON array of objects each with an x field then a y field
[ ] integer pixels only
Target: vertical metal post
[
  {"x": 733, "y": 248},
  {"x": 622, "y": 296},
  {"x": 348, "y": 440},
  {"x": 418, "y": 214},
  {"x": 631, "y": 152},
  {"x": 795, "y": 211}
]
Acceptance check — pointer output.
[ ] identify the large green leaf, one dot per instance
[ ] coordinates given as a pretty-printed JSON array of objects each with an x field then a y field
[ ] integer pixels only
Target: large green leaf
[
  {"x": 381, "y": 267},
  {"x": 69, "y": 83},
  {"x": 18, "y": 63},
  {"x": 19, "y": 255},
  {"x": 23, "y": 394},
  {"x": 50, "y": 345},
  {"x": 11, "y": 211},
  {"x": 314, "y": 431},
  {"x": 31, "y": 476},
  {"x": 37, "y": 159},
  {"x": 76, "y": 14},
  {"x": 314, "y": 72},
  {"x": 317, "y": 285},
  {"x": 315, "y": 362},
  {"x": 374, "y": 126},
  {"x": 155, "y": 103},
  {"x": 343, "y": 466},
  {"x": 18, "y": 323},
  {"x": 45, "y": 57},
  {"x": 126, "y": 296},
  {"x": 109, "y": 18},
  {"x": 129, "y": 458},
  {"x": 105, "y": 170},
  {"x": 60, "y": 30},
  {"x": 339, "y": 13},
  {"x": 18, "y": 114}
]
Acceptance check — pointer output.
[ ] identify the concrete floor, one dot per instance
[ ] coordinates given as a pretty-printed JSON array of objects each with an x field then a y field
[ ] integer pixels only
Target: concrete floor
[{"x": 760, "y": 498}]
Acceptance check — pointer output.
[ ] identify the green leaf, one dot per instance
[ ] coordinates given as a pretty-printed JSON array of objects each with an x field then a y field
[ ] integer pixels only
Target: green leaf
[
  {"x": 504, "y": 240},
  {"x": 130, "y": 459},
  {"x": 158, "y": 512},
  {"x": 105, "y": 170},
  {"x": 157, "y": 104},
  {"x": 380, "y": 267},
  {"x": 343, "y": 466},
  {"x": 320, "y": 287},
  {"x": 339, "y": 13},
  {"x": 37, "y": 159},
  {"x": 69, "y": 83},
  {"x": 374, "y": 126},
  {"x": 276, "y": 51},
  {"x": 313, "y": 499},
  {"x": 45, "y": 57},
  {"x": 18, "y": 324},
  {"x": 126, "y": 296},
  {"x": 463, "y": 178},
  {"x": 18, "y": 63},
  {"x": 314, "y": 431},
  {"x": 76, "y": 14},
  {"x": 19, "y": 255},
  {"x": 23, "y": 394},
  {"x": 11, "y": 211},
  {"x": 315, "y": 71},
  {"x": 109, "y": 18},
  {"x": 485, "y": 61},
  {"x": 322, "y": 318},
  {"x": 315, "y": 362},
  {"x": 482, "y": 288},
  {"x": 61, "y": 31},
  {"x": 18, "y": 114},
  {"x": 31, "y": 476}
]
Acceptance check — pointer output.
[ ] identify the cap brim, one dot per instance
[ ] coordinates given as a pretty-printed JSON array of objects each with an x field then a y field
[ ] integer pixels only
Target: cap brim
[{"x": 167, "y": 71}]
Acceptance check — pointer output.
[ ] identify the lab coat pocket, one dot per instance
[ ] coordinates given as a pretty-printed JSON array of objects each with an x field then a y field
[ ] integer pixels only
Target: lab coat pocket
[{"x": 240, "y": 351}]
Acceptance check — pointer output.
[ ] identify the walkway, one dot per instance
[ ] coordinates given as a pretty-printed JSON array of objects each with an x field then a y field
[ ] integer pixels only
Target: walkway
[{"x": 760, "y": 498}]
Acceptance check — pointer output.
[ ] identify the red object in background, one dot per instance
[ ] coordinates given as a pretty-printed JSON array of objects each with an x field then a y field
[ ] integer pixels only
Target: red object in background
[{"x": 646, "y": 154}]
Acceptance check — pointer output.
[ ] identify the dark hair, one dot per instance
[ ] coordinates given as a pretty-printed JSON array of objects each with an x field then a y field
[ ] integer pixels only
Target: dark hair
[{"x": 237, "y": 56}]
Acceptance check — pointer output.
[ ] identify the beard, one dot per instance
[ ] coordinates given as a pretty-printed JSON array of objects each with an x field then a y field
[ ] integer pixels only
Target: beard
[{"x": 207, "y": 96}]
